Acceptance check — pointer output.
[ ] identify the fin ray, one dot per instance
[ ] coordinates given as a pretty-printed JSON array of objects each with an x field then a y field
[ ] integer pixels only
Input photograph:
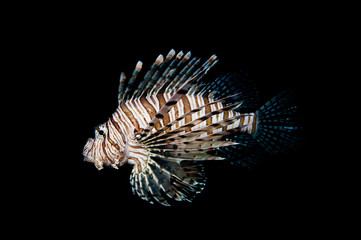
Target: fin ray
[
  {"x": 169, "y": 125},
  {"x": 193, "y": 123},
  {"x": 180, "y": 136},
  {"x": 178, "y": 95},
  {"x": 161, "y": 180}
]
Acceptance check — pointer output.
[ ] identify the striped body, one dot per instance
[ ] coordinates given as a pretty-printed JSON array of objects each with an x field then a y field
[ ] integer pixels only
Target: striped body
[
  {"x": 138, "y": 113},
  {"x": 173, "y": 120},
  {"x": 167, "y": 124},
  {"x": 132, "y": 116}
]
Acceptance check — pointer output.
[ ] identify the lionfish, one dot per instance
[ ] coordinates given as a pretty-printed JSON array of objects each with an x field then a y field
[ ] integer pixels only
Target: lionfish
[{"x": 168, "y": 124}]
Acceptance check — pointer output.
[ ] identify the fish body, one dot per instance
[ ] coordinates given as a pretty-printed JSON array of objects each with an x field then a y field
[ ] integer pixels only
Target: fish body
[{"x": 172, "y": 121}]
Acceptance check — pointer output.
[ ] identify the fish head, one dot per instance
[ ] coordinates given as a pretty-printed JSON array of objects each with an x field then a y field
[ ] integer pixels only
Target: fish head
[{"x": 103, "y": 150}]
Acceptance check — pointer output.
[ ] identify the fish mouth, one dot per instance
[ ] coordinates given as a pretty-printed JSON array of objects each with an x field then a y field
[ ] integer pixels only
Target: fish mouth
[
  {"x": 98, "y": 163},
  {"x": 88, "y": 146},
  {"x": 100, "y": 160},
  {"x": 86, "y": 151},
  {"x": 86, "y": 159}
]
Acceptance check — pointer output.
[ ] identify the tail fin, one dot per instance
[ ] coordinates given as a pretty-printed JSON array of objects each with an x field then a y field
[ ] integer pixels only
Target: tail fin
[{"x": 279, "y": 124}]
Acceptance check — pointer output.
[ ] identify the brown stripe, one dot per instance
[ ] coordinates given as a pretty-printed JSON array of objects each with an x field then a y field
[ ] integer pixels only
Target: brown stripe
[
  {"x": 129, "y": 115},
  {"x": 137, "y": 162},
  {"x": 196, "y": 101},
  {"x": 186, "y": 108},
  {"x": 150, "y": 109},
  {"x": 208, "y": 110},
  {"x": 165, "y": 117},
  {"x": 105, "y": 152},
  {"x": 116, "y": 125},
  {"x": 254, "y": 124},
  {"x": 115, "y": 119},
  {"x": 225, "y": 116},
  {"x": 198, "y": 104},
  {"x": 109, "y": 139},
  {"x": 176, "y": 113},
  {"x": 136, "y": 147},
  {"x": 176, "y": 110},
  {"x": 210, "y": 120},
  {"x": 242, "y": 121},
  {"x": 137, "y": 112},
  {"x": 138, "y": 153}
]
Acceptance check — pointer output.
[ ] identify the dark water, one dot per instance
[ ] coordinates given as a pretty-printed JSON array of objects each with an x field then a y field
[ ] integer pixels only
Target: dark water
[
  {"x": 81, "y": 69},
  {"x": 278, "y": 183}
]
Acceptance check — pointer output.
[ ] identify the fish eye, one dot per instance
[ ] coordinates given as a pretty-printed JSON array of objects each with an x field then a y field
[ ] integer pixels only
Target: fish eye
[{"x": 100, "y": 131}]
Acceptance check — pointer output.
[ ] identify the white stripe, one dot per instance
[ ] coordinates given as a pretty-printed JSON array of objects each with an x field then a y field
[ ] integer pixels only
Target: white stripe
[
  {"x": 136, "y": 113},
  {"x": 110, "y": 151},
  {"x": 202, "y": 112},
  {"x": 230, "y": 114},
  {"x": 180, "y": 106},
  {"x": 171, "y": 113},
  {"x": 214, "y": 108},
  {"x": 143, "y": 111},
  {"x": 138, "y": 150},
  {"x": 122, "y": 128},
  {"x": 114, "y": 135},
  {"x": 156, "y": 102},
  {"x": 193, "y": 105},
  {"x": 128, "y": 124},
  {"x": 219, "y": 117},
  {"x": 141, "y": 158},
  {"x": 249, "y": 128},
  {"x": 153, "y": 102}
]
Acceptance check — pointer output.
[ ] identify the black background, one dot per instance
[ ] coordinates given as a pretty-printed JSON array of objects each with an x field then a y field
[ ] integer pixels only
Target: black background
[{"x": 78, "y": 65}]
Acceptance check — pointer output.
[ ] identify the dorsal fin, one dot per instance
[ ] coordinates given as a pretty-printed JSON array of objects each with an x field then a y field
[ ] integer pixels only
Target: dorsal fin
[
  {"x": 168, "y": 72},
  {"x": 199, "y": 73},
  {"x": 164, "y": 75},
  {"x": 121, "y": 88},
  {"x": 228, "y": 84},
  {"x": 154, "y": 78},
  {"x": 131, "y": 83},
  {"x": 141, "y": 87}
]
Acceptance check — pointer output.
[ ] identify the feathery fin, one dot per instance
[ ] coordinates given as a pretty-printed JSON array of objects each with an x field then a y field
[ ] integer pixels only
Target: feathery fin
[
  {"x": 194, "y": 123},
  {"x": 179, "y": 137},
  {"x": 197, "y": 139},
  {"x": 121, "y": 87},
  {"x": 174, "y": 168},
  {"x": 141, "y": 87},
  {"x": 196, "y": 145},
  {"x": 131, "y": 82},
  {"x": 161, "y": 181},
  {"x": 279, "y": 124},
  {"x": 231, "y": 99},
  {"x": 154, "y": 78},
  {"x": 181, "y": 156}
]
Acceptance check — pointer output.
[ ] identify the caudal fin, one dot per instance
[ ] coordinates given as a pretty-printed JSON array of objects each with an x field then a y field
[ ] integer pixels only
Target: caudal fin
[{"x": 279, "y": 124}]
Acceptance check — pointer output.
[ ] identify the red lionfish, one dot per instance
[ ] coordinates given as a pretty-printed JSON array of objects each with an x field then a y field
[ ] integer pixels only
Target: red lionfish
[{"x": 172, "y": 121}]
